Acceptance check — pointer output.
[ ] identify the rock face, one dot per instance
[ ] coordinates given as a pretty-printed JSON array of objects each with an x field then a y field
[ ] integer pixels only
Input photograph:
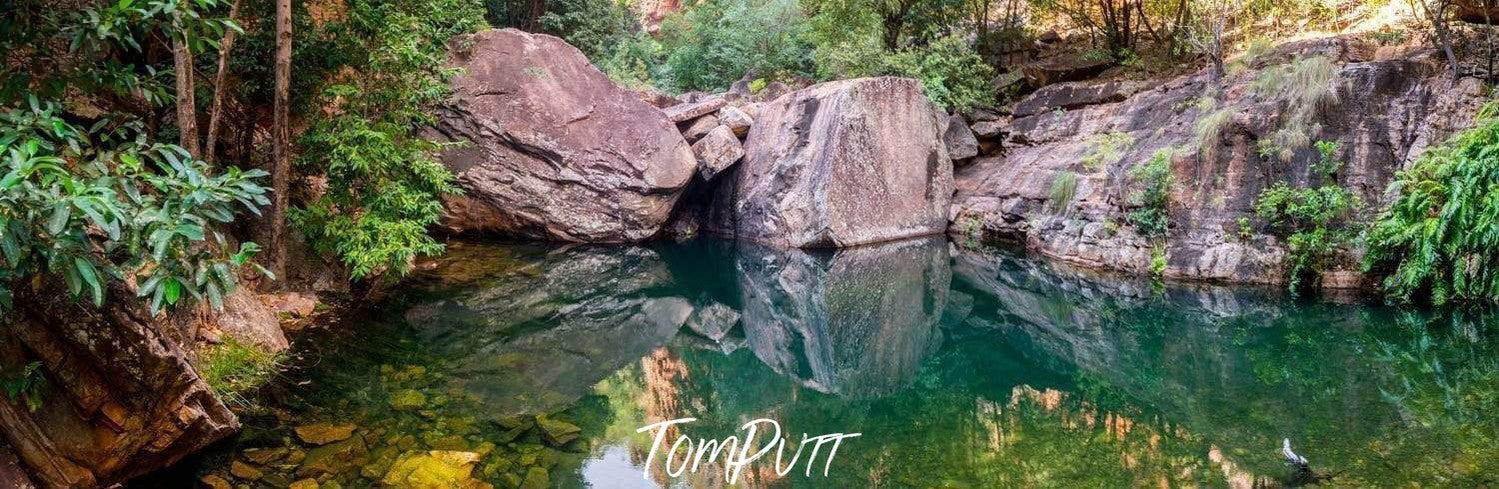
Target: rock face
[
  {"x": 1387, "y": 111},
  {"x": 840, "y": 164},
  {"x": 557, "y": 151},
  {"x": 123, "y": 400}
]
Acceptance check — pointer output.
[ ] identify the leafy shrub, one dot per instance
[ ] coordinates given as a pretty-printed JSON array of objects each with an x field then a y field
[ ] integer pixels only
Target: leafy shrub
[
  {"x": 1439, "y": 241},
  {"x": 716, "y": 42},
  {"x": 384, "y": 182},
  {"x": 952, "y": 74},
  {"x": 1313, "y": 221},
  {"x": 595, "y": 27},
  {"x": 1152, "y": 218},
  {"x": 107, "y": 202}
]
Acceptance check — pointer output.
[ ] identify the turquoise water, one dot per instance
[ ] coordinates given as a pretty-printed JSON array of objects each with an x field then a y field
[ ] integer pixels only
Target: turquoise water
[{"x": 958, "y": 367}]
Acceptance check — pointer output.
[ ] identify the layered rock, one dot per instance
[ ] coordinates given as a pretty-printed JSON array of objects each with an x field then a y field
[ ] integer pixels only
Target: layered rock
[
  {"x": 839, "y": 164},
  {"x": 555, "y": 150},
  {"x": 124, "y": 399},
  {"x": 1387, "y": 111}
]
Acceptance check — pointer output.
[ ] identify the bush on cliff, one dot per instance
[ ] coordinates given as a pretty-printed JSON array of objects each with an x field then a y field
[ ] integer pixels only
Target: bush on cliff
[{"x": 1439, "y": 240}]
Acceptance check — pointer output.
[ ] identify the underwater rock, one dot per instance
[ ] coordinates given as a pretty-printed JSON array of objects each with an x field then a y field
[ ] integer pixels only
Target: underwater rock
[
  {"x": 245, "y": 471},
  {"x": 435, "y": 469},
  {"x": 408, "y": 400},
  {"x": 214, "y": 482},
  {"x": 536, "y": 478},
  {"x": 556, "y": 432},
  {"x": 304, "y": 484},
  {"x": 264, "y": 456},
  {"x": 323, "y": 433},
  {"x": 334, "y": 458}
]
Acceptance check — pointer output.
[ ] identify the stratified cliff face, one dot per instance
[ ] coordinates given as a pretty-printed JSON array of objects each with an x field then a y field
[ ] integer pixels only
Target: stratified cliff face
[
  {"x": 122, "y": 398},
  {"x": 1390, "y": 105}
]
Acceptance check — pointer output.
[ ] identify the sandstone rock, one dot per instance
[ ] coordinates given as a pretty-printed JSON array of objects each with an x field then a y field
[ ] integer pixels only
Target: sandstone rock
[
  {"x": 1388, "y": 111},
  {"x": 557, "y": 433},
  {"x": 408, "y": 400},
  {"x": 264, "y": 456},
  {"x": 294, "y": 304},
  {"x": 736, "y": 120},
  {"x": 304, "y": 484},
  {"x": 1063, "y": 69},
  {"x": 713, "y": 321},
  {"x": 961, "y": 144},
  {"x": 558, "y": 152},
  {"x": 247, "y": 319},
  {"x": 840, "y": 164},
  {"x": 1073, "y": 95},
  {"x": 245, "y": 471},
  {"x": 536, "y": 478},
  {"x": 436, "y": 469},
  {"x": 717, "y": 152},
  {"x": 1342, "y": 279},
  {"x": 699, "y": 127},
  {"x": 693, "y": 110},
  {"x": 988, "y": 129},
  {"x": 123, "y": 398},
  {"x": 334, "y": 458},
  {"x": 323, "y": 433},
  {"x": 214, "y": 482}
]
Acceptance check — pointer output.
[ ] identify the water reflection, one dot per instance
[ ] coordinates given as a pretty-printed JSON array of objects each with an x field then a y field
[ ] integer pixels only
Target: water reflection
[{"x": 962, "y": 368}]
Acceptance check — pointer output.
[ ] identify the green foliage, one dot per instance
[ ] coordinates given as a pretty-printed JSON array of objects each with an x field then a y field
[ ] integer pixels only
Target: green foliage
[
  {"x": 1152, "y": 218},
  {"x": 29, "y": 386},
  {"x": 1439, "y": 240},
  {"x": 1158, "y": 261},
  {"x": 717, "y": 42},
  {"x": 593, "y": 26},
  {"x": 384, "y": 182},
  {"x": 1313, "y": 221},
  {"x": 107, "y": 202},
  {"x": 952, "y": 74},
  {"x": 1063, "y": 190},
  {"x": 234, "y": 370}
]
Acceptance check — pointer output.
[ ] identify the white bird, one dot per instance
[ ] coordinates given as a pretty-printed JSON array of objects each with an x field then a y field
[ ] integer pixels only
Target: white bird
[{"x": 1291, "y": 457}]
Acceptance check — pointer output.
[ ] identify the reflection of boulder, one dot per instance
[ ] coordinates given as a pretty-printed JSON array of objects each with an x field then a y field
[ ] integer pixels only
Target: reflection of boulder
[
  {"x": 530, "y": 344},
  {"x": 857, "y": 322}
]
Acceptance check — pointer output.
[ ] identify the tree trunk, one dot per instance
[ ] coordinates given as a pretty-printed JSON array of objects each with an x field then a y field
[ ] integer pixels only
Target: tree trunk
[
  {"x": 187, "y": 111},
  {"x": 281, "y": 136},
  {"x": 216, "y": 108}
]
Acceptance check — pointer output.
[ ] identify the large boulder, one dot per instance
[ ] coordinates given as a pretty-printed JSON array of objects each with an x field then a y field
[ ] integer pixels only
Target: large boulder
[
  {"x": 840, "y": 164},
  {"x": 123, "y": 398},
  {"x": 556, "y": 150}
]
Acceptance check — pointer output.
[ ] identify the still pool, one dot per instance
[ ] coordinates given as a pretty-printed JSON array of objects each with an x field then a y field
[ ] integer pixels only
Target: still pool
[{"x": 534, "y": 365}]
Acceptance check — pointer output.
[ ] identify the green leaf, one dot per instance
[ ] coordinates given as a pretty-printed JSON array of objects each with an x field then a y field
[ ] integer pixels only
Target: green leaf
[
  {"x": 90, "y": 276},
  {"x": 172, "y": 290}
]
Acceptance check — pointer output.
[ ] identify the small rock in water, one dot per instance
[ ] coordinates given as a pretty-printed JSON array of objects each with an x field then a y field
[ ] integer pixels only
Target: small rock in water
[
  {"x": 407, "y": 400},
  {"x": 333, "y": 458},
  {"x": 434, "y": 469},
  {"x": 324, "y": 433},
  {"x": 536, "y": 478},
  {"x": 245, "y": 471},
  {"x": 557, "y": 433},
  {"x": 215, "y": 482},
  {"x": 264, "y": 456},
  {"x": 304, "y": 484}
]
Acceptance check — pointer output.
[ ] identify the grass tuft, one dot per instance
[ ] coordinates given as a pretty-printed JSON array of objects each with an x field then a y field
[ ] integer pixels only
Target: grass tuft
[{"x": 234, "y": 370}]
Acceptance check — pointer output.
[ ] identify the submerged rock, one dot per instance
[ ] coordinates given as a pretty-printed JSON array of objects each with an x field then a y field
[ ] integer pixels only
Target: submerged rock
[
  {"x": 436, "y": 469},
  {"x": 323, "y": 433},
  {"x": 557, "y": 151},
  {"x": 557, "y": 433},
  {"x": 408, "y": 400},
  {"x": 840, "y": 164},
  {"x": 336, "y": 458}
]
